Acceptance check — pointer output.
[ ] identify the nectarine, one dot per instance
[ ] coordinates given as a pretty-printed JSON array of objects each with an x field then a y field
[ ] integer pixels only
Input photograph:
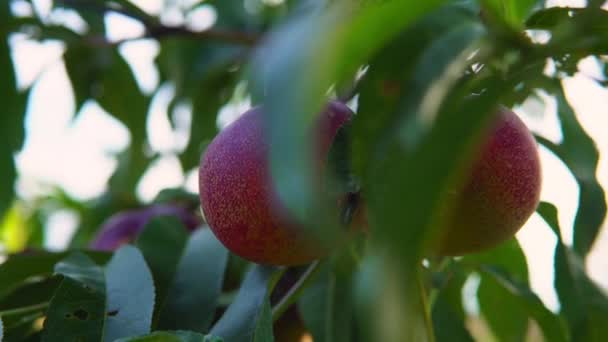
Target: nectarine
[
  {"x": 237, "y": 196},
  {"x": 500, "y": 193}
]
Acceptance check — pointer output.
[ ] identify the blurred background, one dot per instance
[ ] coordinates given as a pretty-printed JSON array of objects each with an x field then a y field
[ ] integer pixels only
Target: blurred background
[{"x": 70, "y": 153}]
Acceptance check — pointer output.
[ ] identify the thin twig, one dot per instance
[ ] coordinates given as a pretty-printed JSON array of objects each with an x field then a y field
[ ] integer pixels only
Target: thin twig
[{"x": 156, "y": 30}]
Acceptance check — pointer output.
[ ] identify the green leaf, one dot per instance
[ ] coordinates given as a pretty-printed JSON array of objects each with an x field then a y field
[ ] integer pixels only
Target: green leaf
[
  {"x": 583, "y": 303},
  {"x": 579, "y": 152},
  {"x": 331, "y": 295},
  {"x": 172, "y": 336},
  {"x": 247, "y": 317},
  {"x": 77, "y": 309},
  {"x": 166, "y": 234},
  {"x": 188, "y": 305},
  {"x": 30, "y": 294},
  {"x": 551, "y": 325},
  {"x": 129, "y": 295},
  {"x": 510, "y": 323},
  {"x": 448, "y": 325},
  {"x": 513, "y": 12},
  {"x": 82, "y": 269},
  {"x": 26, "y": 266}
]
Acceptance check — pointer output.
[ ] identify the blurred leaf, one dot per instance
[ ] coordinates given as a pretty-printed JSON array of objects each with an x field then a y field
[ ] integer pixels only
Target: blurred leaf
[
  {"x": 77, "y": 309},
  {"x": 131, "y": 110},
  {"x": 309, "y": 54},
  {"x": 129, "y": 295},
  {"x": 166, "y": 234},
  {"x": 20, "y": 268},
  {"x": 331, "y": 295},
  {"x": 410, "y": 182},
  {"x": 30, "y": 293},
  {"x": 233, "y": 14},
  {"x": 189, "y": 306},
  {"x": 13, "y": 106},
  {"x": 399, "y": 73},
  {"x": 510, "y": 323},
  {"x": 172, "y": 336},
  {"x": 583, "y": 303},
  {"x": 578, "y": 151},
  {"x": 202, "y": 74},
  {"x": 551, "y": 325},
  {"x": 248, "y": 318},
  {"x": 448, "y": 325},
  {"x": 103, "y": 75},
  {"x": 513, "y": 12},
  {"x": 82, "y": 269},
  {"x": 14, "y": 230},
  {"x": 263, "y": 330},
  {"x": 550, "y": 18},
  {"x": 92, "y": 12}
]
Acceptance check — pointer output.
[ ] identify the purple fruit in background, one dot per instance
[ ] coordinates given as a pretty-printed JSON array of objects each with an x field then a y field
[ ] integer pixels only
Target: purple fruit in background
[
  {"x": 237, "y": 195},
  {"x": 124, "y": 227}
]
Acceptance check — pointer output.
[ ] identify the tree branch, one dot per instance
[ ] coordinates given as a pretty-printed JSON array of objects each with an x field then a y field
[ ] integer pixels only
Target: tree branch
[{"x": 156, "y": 30}]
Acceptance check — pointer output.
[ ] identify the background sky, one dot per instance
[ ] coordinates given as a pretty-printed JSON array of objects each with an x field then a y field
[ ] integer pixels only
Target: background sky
[{"x": 77, "y": 153}]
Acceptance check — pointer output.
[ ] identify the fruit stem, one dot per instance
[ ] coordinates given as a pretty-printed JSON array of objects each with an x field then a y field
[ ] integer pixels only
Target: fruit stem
[
  {"x": 25, "y": 309},
  {"x": 428, "y": 322},
  {"x": 295, "y": 291}
]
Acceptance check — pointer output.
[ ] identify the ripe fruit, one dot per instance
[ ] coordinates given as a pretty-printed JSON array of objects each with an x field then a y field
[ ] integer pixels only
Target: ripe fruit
[
  {"x": 237, "y": 197},
  {"x": 125, "y": 226},
  {"x": 501, "y": 192}
]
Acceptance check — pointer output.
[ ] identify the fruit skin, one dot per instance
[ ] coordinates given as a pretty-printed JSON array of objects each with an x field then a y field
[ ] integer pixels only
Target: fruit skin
[
  {"x": 237, "y": 197},
  {"x": 126, "y": 226},
  {"x": 501, "y": 192}
]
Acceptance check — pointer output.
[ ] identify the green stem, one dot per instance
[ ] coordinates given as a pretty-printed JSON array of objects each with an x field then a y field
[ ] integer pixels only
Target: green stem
[
  {"x": 25, "y": 309},
  {"x": 428, "y": 322},
  {"x": 295, "y": 291}
]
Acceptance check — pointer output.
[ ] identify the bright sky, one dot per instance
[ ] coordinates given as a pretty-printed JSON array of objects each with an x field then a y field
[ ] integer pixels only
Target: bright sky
[{"x": 77, "y": 154}]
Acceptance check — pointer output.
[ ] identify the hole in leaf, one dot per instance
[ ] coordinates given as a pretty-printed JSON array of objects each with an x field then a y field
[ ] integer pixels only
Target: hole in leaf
[{"x": 81, "y": 314}]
